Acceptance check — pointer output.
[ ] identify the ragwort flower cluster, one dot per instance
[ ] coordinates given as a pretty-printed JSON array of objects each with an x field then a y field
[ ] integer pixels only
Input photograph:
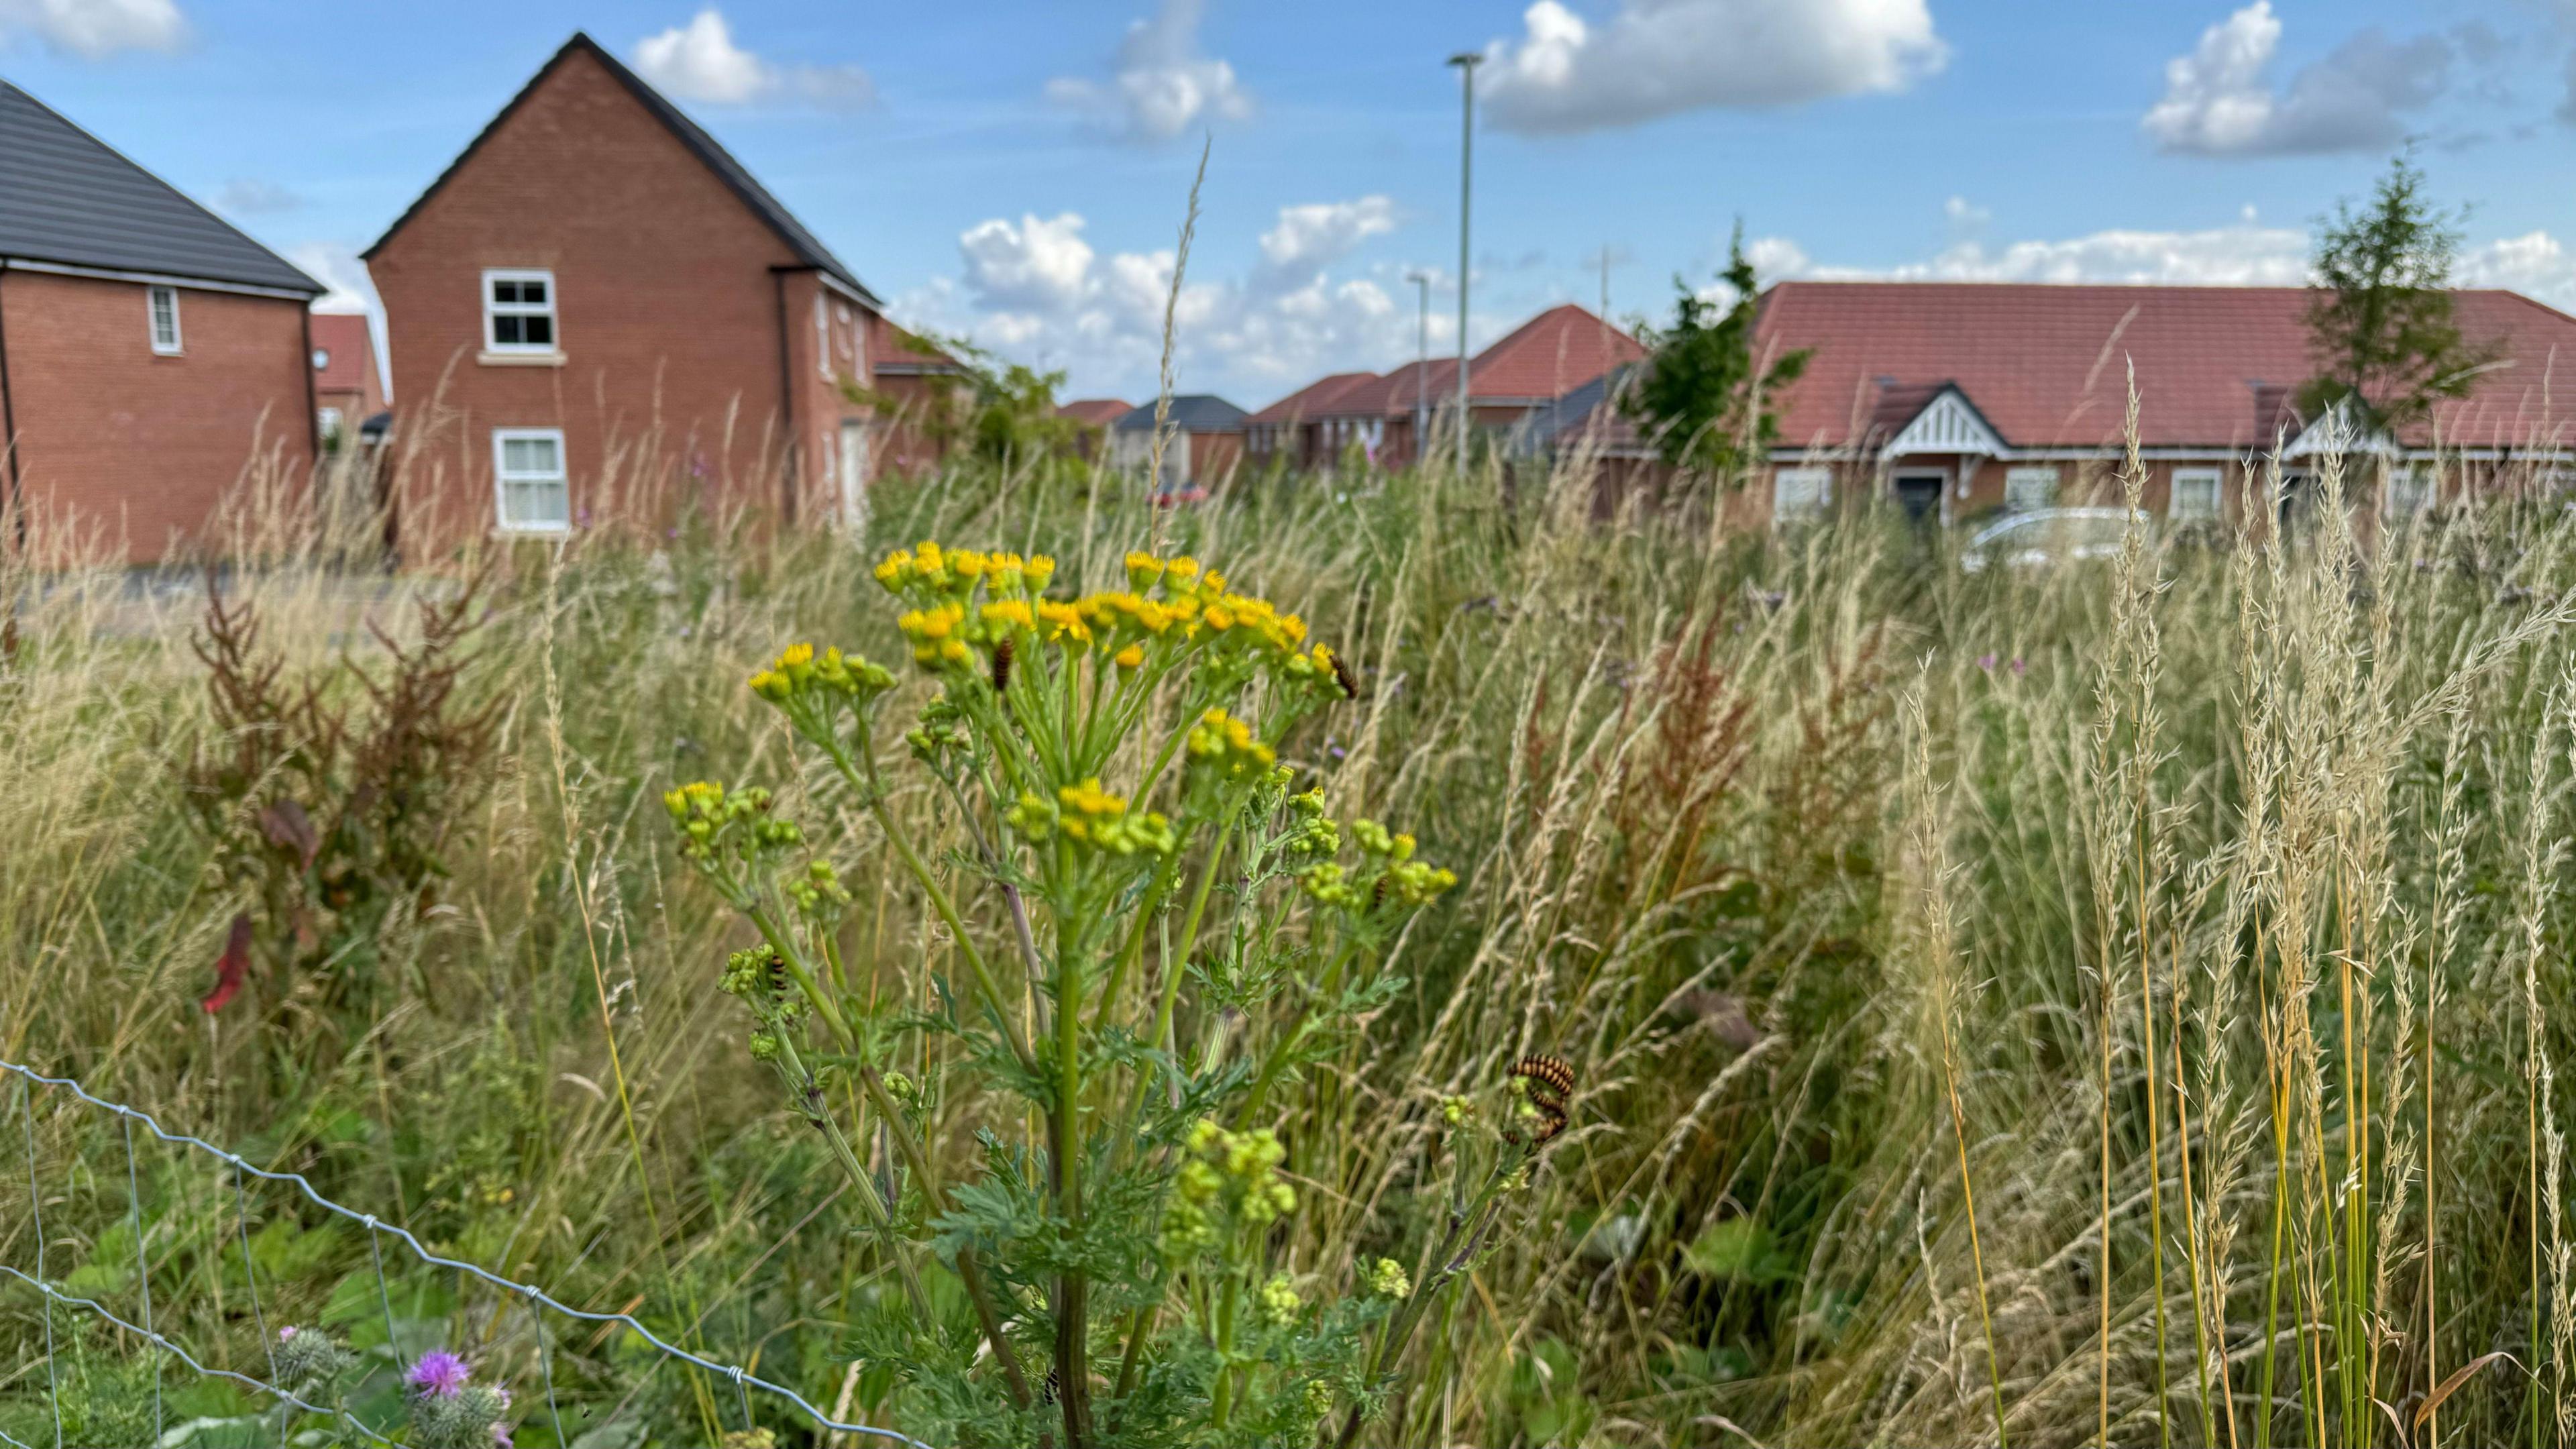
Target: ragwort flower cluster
[{"x": 1109, "y": 758}]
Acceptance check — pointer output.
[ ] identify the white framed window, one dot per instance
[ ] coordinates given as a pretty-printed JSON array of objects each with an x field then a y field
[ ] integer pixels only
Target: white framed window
[
  {"x": 2030, "y": 487},
  {"x": 519, "y": 310},
  {"x": 163, "y": 303},
  {"x": 532, "y": 491},
  {"x": 822, "y": 335},
  {"x": 329, "y": 421},
  {"x": 1800, "y": 493},
  {"x": 2410, "y": 489},
  {"x": 2195, "y": 495}
]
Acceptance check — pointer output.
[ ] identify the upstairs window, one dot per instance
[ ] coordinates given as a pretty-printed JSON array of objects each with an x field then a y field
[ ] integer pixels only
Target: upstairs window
[
  {"x": 164, "y": 303},
  {"x": 533, "y": 492},
  {"x": 518, "y": 311},
  {"x": 822, "y": 335}
]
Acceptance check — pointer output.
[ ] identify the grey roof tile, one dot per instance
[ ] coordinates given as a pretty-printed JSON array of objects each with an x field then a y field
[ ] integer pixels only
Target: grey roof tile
[
  {"x": 69, "y": 198},
  {"x": 1196, "y": 412}
]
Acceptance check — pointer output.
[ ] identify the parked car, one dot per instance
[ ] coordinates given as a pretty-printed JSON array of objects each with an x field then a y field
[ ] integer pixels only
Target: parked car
[{"x": 2045, "y": 537}]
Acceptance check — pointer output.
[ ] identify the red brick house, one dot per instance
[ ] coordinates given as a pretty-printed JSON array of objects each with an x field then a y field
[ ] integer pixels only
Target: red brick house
[
  {"x": 1204, "y": 446},
  {"x": 1290, "y": 432},
  {"x": 596, "y": 312},
  {"x": 1508, "y": 384},
  {"x": 1094, "y": 416},
  {"x": 914, "y": 387},
  {"x": 348, "y": 388},
  {"x": 1957, "y": 399},
  {"x": 150, "y": 354}
]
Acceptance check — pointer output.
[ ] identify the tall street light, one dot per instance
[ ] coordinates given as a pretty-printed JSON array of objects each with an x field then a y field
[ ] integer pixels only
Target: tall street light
[
  {"x": 1422, "y": 369},
  {"x": 1466, "y": 61}
]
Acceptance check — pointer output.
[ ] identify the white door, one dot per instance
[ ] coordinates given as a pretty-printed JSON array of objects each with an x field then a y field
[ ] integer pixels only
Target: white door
[{"x": 854, "y": 477}]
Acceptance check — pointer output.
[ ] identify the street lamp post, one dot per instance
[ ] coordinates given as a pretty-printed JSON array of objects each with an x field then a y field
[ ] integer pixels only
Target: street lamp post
[
  {"x": 1466, "y": 61},
  {"x": 1422, "y": 369}
]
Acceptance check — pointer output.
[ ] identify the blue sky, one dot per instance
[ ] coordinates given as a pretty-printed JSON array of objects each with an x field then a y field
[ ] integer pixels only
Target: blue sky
[{"x": 1016, "y": 170}]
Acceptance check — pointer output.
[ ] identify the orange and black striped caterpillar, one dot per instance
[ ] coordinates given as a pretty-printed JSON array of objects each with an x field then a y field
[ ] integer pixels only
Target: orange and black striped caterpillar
[
  {"x": 1548, "y": 1081},
  {"x": 1342, "y": 676},
  {"x": 1002, "y": 666}
]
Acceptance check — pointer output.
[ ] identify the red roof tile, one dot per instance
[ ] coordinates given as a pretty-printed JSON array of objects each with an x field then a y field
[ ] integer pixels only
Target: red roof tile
[
  {"x": 1316, "y": 398},
  {"x": 2047, "y": 365},
  {"x": 1099, "y": 412},
  {"x": 343, "y": 337},
  {"x": 1549, "y": 356},
  {"x": 1543, "y": 359},
  {"x": 1395, "y": 394}
]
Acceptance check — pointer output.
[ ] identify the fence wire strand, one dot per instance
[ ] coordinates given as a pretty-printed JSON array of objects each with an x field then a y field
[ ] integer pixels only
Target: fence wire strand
[{"x": 534, "y": 1297}]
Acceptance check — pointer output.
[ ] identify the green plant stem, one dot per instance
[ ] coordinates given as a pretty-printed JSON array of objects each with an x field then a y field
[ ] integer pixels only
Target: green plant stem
[
  {"x": 1072, "y": 1329},
  {"x": 1222, "y": 1409},
  {"x": 870, "y": 787},
  {"x": 1177, "y": 966},
  {"x": 1466, "y": 1233},
  {"x": 2272, "y": 1279},
  {"x": 1276, "y": 1059},
  {"x": 799, "y": 1080},
  {"x": 968, "y": 1271}
]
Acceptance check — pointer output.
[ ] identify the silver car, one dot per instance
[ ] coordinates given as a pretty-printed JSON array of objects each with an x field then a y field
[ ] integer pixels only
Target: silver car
[{"x": 2045, "y": 537}]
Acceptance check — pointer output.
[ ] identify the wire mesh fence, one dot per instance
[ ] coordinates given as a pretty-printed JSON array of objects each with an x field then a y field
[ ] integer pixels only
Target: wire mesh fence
[{"x": 125, "y": 1387}]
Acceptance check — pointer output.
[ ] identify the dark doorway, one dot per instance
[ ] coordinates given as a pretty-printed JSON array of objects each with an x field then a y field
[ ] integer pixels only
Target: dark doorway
[
  {"x": 1919, "y": 494},
  {"x": 2298, "y": 505}
]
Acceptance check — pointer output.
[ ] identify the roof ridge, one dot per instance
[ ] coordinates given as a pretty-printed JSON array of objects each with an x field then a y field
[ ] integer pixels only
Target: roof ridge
[{"x": 711, "y": 153}]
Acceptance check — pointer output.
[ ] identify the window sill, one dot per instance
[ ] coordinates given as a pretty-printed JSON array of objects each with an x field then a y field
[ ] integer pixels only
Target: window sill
[
  {"x": 553, "y": 533},
  {"x": 520, "y": 359}
]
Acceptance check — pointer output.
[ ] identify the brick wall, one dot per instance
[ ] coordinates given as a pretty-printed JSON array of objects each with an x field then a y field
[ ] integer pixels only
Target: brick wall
[
  {"x": 672, "y": 368},
  {"x": 114, "y": 439}
]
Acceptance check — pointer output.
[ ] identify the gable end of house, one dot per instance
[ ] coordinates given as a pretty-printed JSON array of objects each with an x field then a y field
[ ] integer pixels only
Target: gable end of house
[{"x": 810, "y": 253}]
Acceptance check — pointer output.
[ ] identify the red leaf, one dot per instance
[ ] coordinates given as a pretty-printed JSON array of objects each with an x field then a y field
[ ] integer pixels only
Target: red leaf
[{"x": 230, "y": 967}]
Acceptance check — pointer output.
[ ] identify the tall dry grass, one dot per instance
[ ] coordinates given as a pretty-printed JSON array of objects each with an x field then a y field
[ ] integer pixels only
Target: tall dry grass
[{"x": 2114, "y": 1003}]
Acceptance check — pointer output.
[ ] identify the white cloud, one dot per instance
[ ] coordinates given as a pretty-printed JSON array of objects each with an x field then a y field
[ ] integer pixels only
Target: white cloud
[
  {"x": 1036, "y": 289},
  {"x": 2241, "y": 255},
  {"x": 699, "y": 61},
  {"x": 2535, "y": 264},
  {"x": 1040, "y": 264},
  {"x": 1659, "y": 57},
  {"x": 1160, "y": 85},
  {"x": 245, "y": 196},
  {"x": 1313, "y": 236},
  {"x": 1774, "y": 257},
  {"x": 93, "y": 29},
  {"x": 1965, "y": 214},
  {"x": 2219, "y": 100},
  {"x": 2247, "y": 253}
]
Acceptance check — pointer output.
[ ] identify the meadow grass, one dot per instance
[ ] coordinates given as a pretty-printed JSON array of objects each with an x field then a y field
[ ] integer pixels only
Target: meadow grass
[{"x": 2114, "y": 1003}]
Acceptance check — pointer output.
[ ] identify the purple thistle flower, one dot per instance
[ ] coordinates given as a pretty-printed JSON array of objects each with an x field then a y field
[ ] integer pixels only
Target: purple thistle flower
[
  {"x": 286, "y": 1333},
  {"x": 2018, "y": 665},
  {"x": 439, "y": 1374},
  {"x": 501, "y": 1435},
  {"x": 1986, "y": 662}
]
